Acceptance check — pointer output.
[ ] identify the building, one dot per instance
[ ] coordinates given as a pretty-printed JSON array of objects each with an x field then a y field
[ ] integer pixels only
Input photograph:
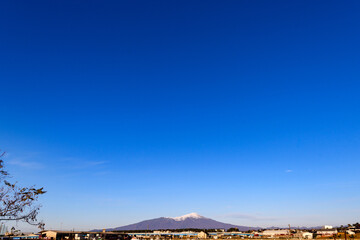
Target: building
[
  {"x": 326, "y": 232},
  {"x": 3, "y": 229},
  {"x": 307, "y": 235},
  {"x": 276, "y": 233},
  {"x": 26, "y": 237},
  {"x": 302, "y": 235},
  {"x": 202, "y": 234}
]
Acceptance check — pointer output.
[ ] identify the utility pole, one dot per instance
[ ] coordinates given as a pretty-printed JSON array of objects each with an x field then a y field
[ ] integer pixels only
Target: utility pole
[
  {"x": 345, "y": 233},
  {"x": 289, "y": 231}
]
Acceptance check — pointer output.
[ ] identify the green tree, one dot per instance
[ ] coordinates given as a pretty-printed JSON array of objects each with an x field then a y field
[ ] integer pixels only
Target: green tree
[{"x": 18, "y": 203}]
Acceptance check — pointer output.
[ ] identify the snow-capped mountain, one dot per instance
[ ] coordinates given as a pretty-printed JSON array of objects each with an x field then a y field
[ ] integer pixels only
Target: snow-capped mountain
[{"x": 192, "y": 220}]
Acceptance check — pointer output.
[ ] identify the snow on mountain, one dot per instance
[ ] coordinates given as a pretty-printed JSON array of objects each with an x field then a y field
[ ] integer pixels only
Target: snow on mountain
[{"x": 190, "y": 215}]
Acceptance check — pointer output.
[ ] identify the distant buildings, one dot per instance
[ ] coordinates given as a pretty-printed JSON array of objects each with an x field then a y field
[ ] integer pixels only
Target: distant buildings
[
  {"x": 326, "y": 232},
  {"x": 328, "y": 227},
  {"x": 276, "y": 233},
  {"x": 196, "y": 234},
  {"x": 82, "y": 235}
]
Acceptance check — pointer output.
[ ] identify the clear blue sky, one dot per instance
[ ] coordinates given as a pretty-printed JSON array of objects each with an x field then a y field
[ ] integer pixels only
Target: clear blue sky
[{"x": 243, "y": 111}]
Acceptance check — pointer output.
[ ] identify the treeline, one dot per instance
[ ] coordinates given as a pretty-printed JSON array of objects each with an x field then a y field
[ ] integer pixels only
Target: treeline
[{"x": 355, "y": 225}]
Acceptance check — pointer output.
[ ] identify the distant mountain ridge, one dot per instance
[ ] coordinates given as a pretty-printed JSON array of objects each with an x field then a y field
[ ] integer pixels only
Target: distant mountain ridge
[{"x": 192, "y": 220}]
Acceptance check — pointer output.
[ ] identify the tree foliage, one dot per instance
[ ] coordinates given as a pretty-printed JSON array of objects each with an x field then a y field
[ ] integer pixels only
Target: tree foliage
[
  {"x": 233, "y": 230},
  {"x": 18, "y": 203}
]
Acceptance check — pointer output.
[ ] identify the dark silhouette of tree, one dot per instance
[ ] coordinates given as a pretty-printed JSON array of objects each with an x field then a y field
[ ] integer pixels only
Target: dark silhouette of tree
[
  {"x": 18, "y": 203},
  {"x": 233, "y": 230}
]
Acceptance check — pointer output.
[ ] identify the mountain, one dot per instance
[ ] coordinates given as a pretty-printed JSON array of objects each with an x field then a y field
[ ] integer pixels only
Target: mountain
[{"x": 192, "y": 220}]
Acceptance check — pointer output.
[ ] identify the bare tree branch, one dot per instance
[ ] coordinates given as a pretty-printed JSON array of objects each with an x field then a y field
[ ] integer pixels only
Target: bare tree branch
[{"x": 18, "y": 203}]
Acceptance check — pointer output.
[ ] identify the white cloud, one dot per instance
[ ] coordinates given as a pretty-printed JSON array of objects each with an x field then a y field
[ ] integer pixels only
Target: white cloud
[
  {"x": 78, "y": 163},
  {"x": 25, "y": 164}
]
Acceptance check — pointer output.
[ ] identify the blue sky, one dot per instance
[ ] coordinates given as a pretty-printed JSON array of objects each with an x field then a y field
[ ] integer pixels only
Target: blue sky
[{"x": 243, "y": 111}]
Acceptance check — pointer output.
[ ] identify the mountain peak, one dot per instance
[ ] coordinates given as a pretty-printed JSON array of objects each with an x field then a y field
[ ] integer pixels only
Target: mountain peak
[
  {"x": 191, "y": 220},
  {"x": 190, "y": 215}
]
